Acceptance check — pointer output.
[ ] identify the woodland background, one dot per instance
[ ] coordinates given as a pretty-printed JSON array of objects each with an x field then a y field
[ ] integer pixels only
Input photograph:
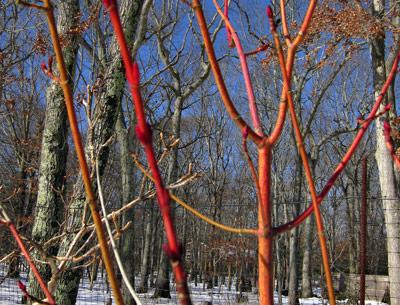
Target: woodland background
[{"x": 340, "y": 67}]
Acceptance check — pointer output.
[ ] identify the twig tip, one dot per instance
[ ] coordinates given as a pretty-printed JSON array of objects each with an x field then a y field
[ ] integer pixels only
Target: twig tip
[{"x": 269, "y": 11}]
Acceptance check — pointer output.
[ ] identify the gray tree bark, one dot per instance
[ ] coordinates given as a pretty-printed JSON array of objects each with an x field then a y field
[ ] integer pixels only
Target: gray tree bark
[
  {"x": 127, "y": 243},
  {"x": 162, "y": 282},
  {"x": 50, "y": 206},
  {"x": 144, "y": 270},
  {"x": 293, "y": 256},
  {"x": 384, "y": 161},
  {"x": 306, "y": 284},
  {"x": 351, "y": 208},
  {"x": 306, "y": 279},
  {"x": 106, "y": 113},
  {"x": 181, "y": 94},
  {"x": 293, "y": 243}
]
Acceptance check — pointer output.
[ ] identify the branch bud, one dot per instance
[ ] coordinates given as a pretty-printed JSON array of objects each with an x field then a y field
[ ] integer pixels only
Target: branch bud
[
  {"x": 135, "y": 73},
  {"x": 108, "y": 3},
  {"x": 144, "y": 136},
  {"x": 386, "y": 130},
  {"x": 21, "y": 286},
  {"x": 245, "y": 132},
  {"x": 270, "y": 13},
  {"x": 43, "y": 67},
  {"x": 173, "y": 255}
]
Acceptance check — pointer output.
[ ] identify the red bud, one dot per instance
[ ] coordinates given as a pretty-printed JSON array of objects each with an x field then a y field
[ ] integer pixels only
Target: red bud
[
  {"x": 386, "y": 125},
  {"x": 270, "y": 14},
  {"x": 144, "y": 136},
  {"x": 21, "y": 286},
  {"x": 386, "y": 129},
  {"x": 172, "y": 255},
  {"x": 108, "y": 3},
  {"x": 245, "y": 132},
  {"x": 50, "y": 61},
  {"x": 135, "y": 73}
]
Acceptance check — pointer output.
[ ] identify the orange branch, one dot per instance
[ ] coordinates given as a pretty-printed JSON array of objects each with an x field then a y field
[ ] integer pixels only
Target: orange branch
[
  {"x": 261, "y": 48},
  {"x": 196, "y": 212},
  {"x": 346, "y": 158},
  {"x": 230, "y": 107},
  {"x": 246, "y": 74},
  {"x": 277, "y": 131},
  {"x": 253, "y": 170},
  {"x": 68, "y": 97},
  {"x": 304, "y": 158},
  {"x": 285, "y": 28}
]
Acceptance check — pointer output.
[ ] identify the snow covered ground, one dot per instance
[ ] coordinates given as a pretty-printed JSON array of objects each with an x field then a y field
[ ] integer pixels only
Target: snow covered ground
[{"x": 99, "y": 294}]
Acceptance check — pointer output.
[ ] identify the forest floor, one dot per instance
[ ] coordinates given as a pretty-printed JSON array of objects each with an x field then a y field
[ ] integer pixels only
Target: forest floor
[{"x": 99, "y": 294}]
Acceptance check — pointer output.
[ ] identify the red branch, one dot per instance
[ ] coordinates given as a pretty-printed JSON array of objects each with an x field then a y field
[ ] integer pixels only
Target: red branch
[
  {"x": 48, "y": 70},
  {"x": 264, "y": 47},
  {"x": 389, "y": 143},
  {"x": 231, "y": 44},
  {"x": 340, "y": 167},
  {"x": 22, "y": 287},
  {"x": 386, "y": 109},
  {"x": 144, "y": 134},
  {"x": 246, "y": 74},
  {"x": 25, "y": 252}
]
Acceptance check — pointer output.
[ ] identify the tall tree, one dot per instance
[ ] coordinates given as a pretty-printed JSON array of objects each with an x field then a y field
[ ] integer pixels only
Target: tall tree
[
  {"x": 387, "y": 177},
  {"x": 50, "y": 206},
  {"x": 126, "y": 147},
  {"x": 105, "y": 115},
  {"x": 183, "y": 87}
]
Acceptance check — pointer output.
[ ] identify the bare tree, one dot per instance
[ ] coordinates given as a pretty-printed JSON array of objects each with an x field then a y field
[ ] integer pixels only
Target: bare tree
[
  {"x": 387, "y": 176},
  {"x": 108, "y": 99},
  {"x": 50, "y": 205}
]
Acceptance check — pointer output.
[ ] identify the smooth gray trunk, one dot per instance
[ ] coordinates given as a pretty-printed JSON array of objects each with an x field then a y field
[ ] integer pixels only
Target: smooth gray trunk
[
  {"x": 127, "y": 242},
  {"x": 293, "y": 256},
  {"x": 181, "y": 93},
  {"x": 144, "y": 270},
  {"x": 293, "y": 242},
  {"x": 306, "y": 280},
  {"x": 385, "y": 167},
  {"x": 162, "y": 282},
  {"x": 353, "y": 248}
]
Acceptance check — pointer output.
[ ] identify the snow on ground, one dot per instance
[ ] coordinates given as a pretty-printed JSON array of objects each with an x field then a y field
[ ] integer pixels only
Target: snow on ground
[{"x": 100, "y": 294}]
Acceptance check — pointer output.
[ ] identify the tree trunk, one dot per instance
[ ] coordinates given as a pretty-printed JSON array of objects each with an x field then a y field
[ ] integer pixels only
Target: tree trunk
[
  {"x": 351, "y": 208},
  {"x": 162, "y": 282},
  {"x": 385, "y": 167},
  {"x": 293, "y": 243},
  {"x": 67, "y": 286},
  {"x": 306, "y": 284},
  {"x": 154, "y": 251},
  {"x": 105, "y": 117},
  {"x": 127, "y": 242},
  {"x": 50, "y": 206},
  {"x": 278, "y": 271},
  {"x": 293, "y": 256},
  {"x": 181, "y": 93},
  {"x": 144, "y": 271}
]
